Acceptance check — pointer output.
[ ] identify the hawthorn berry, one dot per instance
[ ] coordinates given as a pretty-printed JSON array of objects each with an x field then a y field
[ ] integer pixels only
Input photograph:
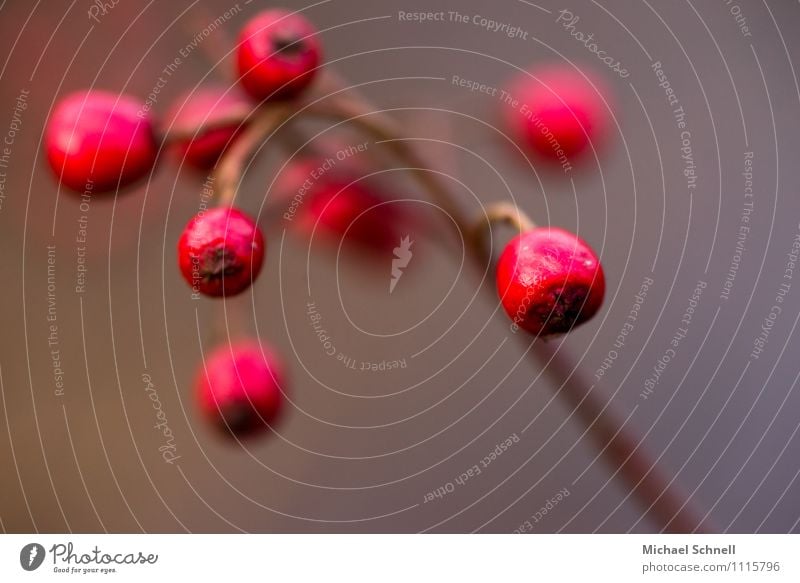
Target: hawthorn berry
[
  {"x": 96, "y": 141},
  {"x": 354, "y": 213},
  {"x": 337, "y": 206},
  {"x": 240, "y": 388},
  {"x": 216, "y": 107},
  {"x": 277, "y": 55},
  {"x": 220, "y": 252},
  {"x": 549, "y": 280},
  {"x": 559, "y": 113}
]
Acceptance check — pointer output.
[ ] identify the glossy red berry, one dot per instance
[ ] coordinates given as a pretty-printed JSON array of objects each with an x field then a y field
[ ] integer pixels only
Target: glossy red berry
[
  {"x": 278, "y": 55},
  {"x": 223, "y": 110},
  {"x": 96, "y": 141},
  {"x": 549, "y": 280},
  {"x": 560, "y": 113},
  {"x": 220, "y": 252},
  {"x": 240, "y": 388}
]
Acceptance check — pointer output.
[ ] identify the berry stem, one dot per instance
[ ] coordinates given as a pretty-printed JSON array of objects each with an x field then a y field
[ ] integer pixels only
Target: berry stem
[
  {"x": 509, "y": 214},
  {"x": 384, "y": 129},
  {"x": 496, "y": 213},
  {"x": 621, "y": 448}
]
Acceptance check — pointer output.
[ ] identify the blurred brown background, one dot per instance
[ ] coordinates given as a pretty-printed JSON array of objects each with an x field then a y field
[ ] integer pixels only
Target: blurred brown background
[{"x": 359, "y": 451}]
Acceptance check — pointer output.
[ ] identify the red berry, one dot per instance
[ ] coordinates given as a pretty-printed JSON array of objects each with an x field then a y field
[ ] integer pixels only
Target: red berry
[
  {"x": 96, "y": 141},
  {"x": 278, "y": 55},
  {"x": 549, "y": 280},
  {"x": 559, "y": 113},
  {"x": 333, "y": 203},
  {"x": 240, "y": 388},
  {"x": 353, "y": 213},
  {"x": 220, "y": 252},
  {"x": 215, "y": 107}
]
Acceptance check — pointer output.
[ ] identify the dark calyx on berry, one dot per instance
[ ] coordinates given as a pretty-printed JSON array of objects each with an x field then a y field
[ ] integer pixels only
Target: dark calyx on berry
[
  {"x": 566, "y": 311},
  {"x": 288, "y": 45},
  {"x": 220, "y": 263},
  {"x": 239, "y": 419}
]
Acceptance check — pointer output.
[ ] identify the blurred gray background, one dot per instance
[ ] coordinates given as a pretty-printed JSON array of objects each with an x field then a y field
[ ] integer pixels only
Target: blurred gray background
[{"x": 359, "y": 451}]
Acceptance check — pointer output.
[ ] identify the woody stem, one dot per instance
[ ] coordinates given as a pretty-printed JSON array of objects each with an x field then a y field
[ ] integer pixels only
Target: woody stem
[{"x": 621, "y": 448}]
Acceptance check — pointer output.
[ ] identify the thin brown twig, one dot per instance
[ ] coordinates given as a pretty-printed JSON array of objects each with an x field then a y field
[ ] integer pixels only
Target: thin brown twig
[
  {"x": 496, "y": 213},
  {"x": 383, "y": 129},
  {"x": 229, "y": 170}
]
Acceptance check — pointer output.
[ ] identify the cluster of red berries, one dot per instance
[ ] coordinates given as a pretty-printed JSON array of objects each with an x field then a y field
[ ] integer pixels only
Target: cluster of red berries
[{"x": 99, "y": 142}]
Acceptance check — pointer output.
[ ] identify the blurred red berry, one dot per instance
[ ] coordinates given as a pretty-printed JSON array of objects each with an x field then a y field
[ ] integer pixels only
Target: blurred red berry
[
  {"x": 278, "y": 54},
  {"x": 334, "y": 204},
  {"x": 353, "y": 213},
  {"x": 240, "y": 388},
  {"x": 220, "y": 252},
  {"x": 216, "y": 107},
  {"x": 559, "y": 113},
  {"x": 549, "y": 280},
  {"x": 97, "y": 140}
]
